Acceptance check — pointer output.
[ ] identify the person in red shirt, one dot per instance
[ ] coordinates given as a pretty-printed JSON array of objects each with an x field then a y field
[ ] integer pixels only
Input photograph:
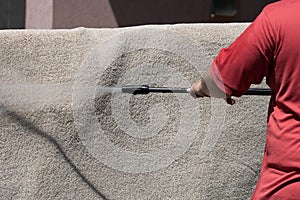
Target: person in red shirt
[{"x": 269, "y": 47}]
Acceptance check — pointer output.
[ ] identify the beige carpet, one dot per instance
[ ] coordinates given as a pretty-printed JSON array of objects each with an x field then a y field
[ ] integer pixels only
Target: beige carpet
[{"x": 67, "y": 133}]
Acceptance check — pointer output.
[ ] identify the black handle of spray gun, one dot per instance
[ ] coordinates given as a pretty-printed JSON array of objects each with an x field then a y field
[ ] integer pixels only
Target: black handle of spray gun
[
  {"x": 145, "y": 89},
  {"x": 259, "y": 91}
]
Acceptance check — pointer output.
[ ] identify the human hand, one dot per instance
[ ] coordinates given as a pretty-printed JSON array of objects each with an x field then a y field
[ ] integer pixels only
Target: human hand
[{"x": 200, "y": 89}]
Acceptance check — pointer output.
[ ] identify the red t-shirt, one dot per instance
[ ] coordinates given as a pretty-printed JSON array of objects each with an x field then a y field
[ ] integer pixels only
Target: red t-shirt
[{"x": 270, "y": 47}]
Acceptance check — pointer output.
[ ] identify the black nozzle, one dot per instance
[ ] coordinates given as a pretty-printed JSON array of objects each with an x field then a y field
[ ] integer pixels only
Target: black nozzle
[{"x": 136, "y": 89}]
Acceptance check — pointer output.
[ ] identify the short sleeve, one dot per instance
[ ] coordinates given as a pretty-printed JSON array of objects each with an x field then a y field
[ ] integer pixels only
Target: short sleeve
[{"x": 247, "y": 60}]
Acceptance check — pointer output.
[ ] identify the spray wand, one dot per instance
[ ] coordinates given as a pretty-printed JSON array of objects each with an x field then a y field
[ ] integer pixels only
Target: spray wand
[{"x": 145, "y": 89}]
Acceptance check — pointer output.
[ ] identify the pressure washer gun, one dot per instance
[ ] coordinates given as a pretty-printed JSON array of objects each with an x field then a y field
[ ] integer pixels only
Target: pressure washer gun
[{"x": 145, "y": 89}]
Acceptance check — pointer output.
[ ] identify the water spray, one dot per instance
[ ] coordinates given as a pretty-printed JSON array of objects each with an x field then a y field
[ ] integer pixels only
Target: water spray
[{"x": 41, "y": 94}]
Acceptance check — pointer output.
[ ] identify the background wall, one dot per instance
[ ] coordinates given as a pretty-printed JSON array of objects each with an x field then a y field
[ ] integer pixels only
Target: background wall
[
  {"x": 62, "y": 136},
  {"x": 12, "y": 14},
  {"x": 39, "y": 14},
  {"x": 117, "y": 13}
]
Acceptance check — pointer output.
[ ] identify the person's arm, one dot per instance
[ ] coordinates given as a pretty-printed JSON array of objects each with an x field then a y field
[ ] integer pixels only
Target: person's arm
[
  {"x": 206, "y": 87},
  {"x": 246, "y": 61}
]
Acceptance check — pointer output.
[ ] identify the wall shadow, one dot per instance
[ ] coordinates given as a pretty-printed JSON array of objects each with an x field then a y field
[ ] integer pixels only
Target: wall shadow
[{"x": 140, "y": 12}]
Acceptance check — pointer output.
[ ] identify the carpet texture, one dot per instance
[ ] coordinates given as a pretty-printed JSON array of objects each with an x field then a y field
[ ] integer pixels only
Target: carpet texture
[{"x": 66, "y": 131}]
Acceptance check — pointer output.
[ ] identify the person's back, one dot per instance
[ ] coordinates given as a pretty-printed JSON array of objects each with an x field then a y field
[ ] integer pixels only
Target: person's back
[
  {"x": 283, "y": 77},
  {"x": 280, "y": 174}
]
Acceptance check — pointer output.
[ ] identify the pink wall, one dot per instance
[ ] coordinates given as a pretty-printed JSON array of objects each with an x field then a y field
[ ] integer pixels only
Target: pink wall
[
  {"x": 86, "y": 13},
  {"x": 51, "y": 14},
  {"x": 39, "y": 14}
]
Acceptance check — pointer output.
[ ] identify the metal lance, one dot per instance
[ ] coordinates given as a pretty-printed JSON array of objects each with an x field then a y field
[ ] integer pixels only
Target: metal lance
[{"x": 145, "y": 89}]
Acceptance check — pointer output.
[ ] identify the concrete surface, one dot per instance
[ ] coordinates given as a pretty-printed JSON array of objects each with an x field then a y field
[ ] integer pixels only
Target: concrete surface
[{"x": 63, "y": 137}]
